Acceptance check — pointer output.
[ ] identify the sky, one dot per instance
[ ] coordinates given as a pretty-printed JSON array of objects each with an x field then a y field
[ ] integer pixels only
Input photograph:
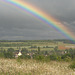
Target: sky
[{"x": 16, "y": 24}]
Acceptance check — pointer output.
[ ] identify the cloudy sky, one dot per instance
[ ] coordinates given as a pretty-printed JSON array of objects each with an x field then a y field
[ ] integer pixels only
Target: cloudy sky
[{"x": 16, "y": 24}]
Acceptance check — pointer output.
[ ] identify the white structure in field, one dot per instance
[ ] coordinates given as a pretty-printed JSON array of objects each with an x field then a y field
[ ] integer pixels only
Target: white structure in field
[{"x": 19, "y": 54}]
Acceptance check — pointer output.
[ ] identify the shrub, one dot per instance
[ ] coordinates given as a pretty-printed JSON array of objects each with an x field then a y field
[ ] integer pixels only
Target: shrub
[
  {"x": 72, "y": 65},
  {"x": 11, "y": 50},
  {"x": 19, "y": 60},
  {"x": 67, "y": 59},
  {"x": 39, "y": 57},
  {"x": 53, "y": 57},
  {"x": 47, "y": 58},
  {"x": 65, "y": 56},
  {"x": 59, "y": 58},
  {"x": 8, "y": 55},
  {"x": 24, "y": 57},
  {"x": 1, "y": 55},
  {"x": 42, "y": 58}
]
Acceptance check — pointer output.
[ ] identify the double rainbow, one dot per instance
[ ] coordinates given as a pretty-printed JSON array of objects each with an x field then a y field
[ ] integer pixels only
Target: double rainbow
[{"x": 43, "y": 17}]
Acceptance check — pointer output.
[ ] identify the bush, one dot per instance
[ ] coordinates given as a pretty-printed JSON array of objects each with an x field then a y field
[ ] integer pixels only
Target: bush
[
  {"x": 53, "y": 57},
  {"x": 10, "y": 50},
  {"x": 47, "y": 59},
  {"x": 24, "y": 57},
  {"x": 72, "y": 65},
  {"x": 59, "y": 58},
  {"x": 42, "y": 58},
  {"x": 19, "y": 60},
  {"x": 67, "y": 59},
  {"x": 39, "y": 57},
  {"x": 65, "y": 56},
  {"x": 8, "y": 55},
  {"x": 1, "y": 55}
]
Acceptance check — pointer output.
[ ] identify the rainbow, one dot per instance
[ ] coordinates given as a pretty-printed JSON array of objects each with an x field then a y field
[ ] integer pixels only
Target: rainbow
[{"x": 44, "y": 17}]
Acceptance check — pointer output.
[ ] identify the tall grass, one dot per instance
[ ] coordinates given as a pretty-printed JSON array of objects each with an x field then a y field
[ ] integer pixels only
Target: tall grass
[{"x": 32, "y": 67}]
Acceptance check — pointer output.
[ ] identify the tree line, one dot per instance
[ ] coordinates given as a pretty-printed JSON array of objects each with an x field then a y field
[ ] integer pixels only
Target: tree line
[{"x": 59, "y": 55}]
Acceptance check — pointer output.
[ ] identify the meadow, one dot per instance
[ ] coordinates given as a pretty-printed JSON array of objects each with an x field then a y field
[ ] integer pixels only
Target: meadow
[{"x": 32, "y": 67}]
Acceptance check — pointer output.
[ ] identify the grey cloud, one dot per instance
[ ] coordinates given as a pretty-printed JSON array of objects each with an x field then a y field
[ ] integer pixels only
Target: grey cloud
[{"x": 17, "y": 24}]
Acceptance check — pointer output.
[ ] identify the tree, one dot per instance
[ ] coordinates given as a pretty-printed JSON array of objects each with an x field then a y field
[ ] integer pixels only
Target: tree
[
  {"x": 10, "y": 50},
  {"x": 9, "y": 53},
  {"x": 38, "y": 50},
  {"x": 56, "y": 48},
  {"x": 46, "y": 53},
  {"x": 72, "y": 52}
]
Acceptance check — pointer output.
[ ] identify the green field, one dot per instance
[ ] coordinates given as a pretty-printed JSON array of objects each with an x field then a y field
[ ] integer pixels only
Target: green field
[{"x": 33, "y": 45}]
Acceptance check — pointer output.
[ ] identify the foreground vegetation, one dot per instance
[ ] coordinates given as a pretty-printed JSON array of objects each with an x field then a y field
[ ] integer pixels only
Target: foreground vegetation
[{"x": 33, "y": 67}]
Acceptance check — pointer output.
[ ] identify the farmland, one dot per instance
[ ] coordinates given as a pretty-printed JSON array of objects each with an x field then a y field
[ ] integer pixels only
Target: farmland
[{"x": 33, "y": 45}]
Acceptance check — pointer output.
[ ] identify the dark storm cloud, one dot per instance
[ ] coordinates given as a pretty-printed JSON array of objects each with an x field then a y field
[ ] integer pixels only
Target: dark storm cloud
[{"x": 17, "y": 24}]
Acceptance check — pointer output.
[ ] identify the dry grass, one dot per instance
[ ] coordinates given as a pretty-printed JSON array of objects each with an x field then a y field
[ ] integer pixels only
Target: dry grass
[{"x": 31, "y": 67}]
